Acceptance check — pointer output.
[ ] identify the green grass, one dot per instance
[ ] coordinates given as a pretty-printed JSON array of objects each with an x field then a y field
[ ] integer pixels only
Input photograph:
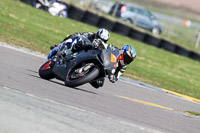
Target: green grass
[
  {"x": 180, "y": 35},
  {"x": 25, "y": 26},
  {"x": 192, "y": 113}
]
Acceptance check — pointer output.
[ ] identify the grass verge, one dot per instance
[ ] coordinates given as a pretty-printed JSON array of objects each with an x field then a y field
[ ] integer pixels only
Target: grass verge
[
  {"x": 22, "y": 25},
  {"x": 192, "y": 113}
]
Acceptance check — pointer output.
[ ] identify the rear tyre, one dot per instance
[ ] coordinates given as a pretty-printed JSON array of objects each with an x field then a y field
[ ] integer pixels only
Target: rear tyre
[
  {"x": 72, "y": 80},
  {"x": 45, "y": 71}
]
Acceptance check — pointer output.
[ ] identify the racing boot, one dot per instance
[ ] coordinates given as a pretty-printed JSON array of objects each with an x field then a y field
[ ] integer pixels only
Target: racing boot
[{"x": 98, "y": 83}]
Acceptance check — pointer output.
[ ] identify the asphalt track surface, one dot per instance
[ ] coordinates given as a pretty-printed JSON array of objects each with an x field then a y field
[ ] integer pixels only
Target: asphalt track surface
[{"x": 31, "y": 104}]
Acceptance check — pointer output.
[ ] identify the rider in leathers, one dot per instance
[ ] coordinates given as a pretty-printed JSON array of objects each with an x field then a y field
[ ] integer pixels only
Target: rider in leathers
[{"x": 98, "y": 40}]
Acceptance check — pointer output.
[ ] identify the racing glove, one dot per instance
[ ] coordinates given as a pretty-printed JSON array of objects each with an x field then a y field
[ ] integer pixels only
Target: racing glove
[
  {"x": 114, "y": 77},
  {"x": 98, "y": 44}
]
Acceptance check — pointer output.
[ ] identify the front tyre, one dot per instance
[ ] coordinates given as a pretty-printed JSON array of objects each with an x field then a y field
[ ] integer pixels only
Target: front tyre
[
  {"x": 74, "y": 80},
  {"x": 45, "y": 71}
]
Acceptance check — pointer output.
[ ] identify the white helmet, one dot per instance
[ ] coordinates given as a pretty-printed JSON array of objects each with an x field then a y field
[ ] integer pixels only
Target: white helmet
[{"x": 103, "y": 34}]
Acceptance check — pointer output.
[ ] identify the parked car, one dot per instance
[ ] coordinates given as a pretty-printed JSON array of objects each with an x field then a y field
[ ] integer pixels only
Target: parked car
[
  {"x": 54, "y": 7},
  {"x": 139, "y": 16}
]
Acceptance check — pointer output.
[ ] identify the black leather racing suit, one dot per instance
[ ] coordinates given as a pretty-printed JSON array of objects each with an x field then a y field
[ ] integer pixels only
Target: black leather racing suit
[{"x": 90, "y": 35}]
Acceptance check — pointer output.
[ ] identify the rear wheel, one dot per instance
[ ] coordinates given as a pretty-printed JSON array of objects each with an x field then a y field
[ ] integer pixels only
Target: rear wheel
[
  {"x": 75, "y": 78},
  {"x": 45, "y": 71},
  {"x": 128, "y": 21},
  {"x": 156, "y": 30}
]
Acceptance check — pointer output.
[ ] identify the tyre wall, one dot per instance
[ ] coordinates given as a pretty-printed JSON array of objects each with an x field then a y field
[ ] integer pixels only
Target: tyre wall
[
  {"x": 106, "y": 23},
  {"x": 151, "y": 40},
  {"x": 90, "y": 18},
  {"x": 76, "y": 13},
  {"x": 121, "y": 29},
  {"x": 137, "y": 35},
  {"x": 30, "y": 2}
]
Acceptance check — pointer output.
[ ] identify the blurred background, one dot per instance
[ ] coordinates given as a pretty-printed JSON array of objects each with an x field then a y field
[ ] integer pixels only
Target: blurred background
[{"x": 176, "y": 21}]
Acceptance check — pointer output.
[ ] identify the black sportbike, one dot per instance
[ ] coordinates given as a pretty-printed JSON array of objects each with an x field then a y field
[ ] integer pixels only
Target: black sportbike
[{"x": 82, "y": 67}]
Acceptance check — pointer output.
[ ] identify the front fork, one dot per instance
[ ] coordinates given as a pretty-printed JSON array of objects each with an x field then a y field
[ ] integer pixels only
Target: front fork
[{"x": 52, "y": 53}]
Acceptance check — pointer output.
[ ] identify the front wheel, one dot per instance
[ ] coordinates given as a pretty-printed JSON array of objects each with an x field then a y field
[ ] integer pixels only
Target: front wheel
[
  {"x": 74, "y": 79},
  {"x": 46, "y": 71},
  {"x": 63, "y": 14}
]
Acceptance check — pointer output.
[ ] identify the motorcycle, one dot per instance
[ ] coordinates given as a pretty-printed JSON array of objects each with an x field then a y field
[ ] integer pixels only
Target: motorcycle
[
  {"x": 82, "y": 67},
  {"x": 54, "y": 7}
]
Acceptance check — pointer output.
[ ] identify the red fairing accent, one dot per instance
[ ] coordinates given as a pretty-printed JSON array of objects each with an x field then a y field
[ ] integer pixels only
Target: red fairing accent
[
  {"x": 46, "y": 66},
  {"x": 121, "y": 57}
]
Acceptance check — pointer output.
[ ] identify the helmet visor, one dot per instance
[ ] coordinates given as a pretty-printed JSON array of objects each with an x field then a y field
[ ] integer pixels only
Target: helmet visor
[{"x": 127, "y": 58}]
